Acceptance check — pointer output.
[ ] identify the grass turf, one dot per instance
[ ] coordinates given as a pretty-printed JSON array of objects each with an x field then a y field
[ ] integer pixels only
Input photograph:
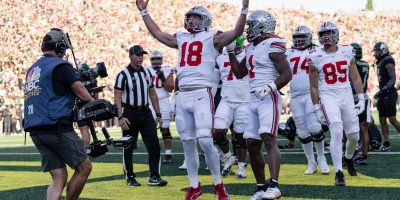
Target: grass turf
[{"x": 21, "y": 178}]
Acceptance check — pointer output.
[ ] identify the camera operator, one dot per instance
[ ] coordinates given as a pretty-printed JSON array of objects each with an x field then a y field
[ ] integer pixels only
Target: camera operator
[
  {"x": 50, "y": 92},
  {"x": 132, "y": 90}
]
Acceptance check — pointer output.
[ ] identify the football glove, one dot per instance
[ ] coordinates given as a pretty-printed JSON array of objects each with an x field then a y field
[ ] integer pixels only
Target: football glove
[
  {"x": 360, "y": 106},
  {"x": 231, "y": 47},
  {"x": 320, "y": 115},
  {"x": 262, "y": 92},
  {"x": 161, "y": 75}
]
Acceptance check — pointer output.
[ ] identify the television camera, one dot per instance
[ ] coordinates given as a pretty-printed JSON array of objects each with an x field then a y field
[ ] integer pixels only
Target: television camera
[{"x": 98, "y": 110}]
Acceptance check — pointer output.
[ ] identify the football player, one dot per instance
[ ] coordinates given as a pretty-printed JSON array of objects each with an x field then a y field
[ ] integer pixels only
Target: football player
[
  {"x": 268, "y": 72},
  {"x": 387, "y": 96},
  {"x": 164, "y": 84},
  {"x": 233, "y": 108},
  {"x": 198, "y": 49},
  {"x": 309, "y": 130},
  {"x": 331, "y": 66},
  {"x": 365, "y": 117}
]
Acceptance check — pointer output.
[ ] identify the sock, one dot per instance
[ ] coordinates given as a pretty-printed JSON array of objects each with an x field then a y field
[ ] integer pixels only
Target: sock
[
  {"x": 309, "y": 152},
  {"x": 336, "y": 130},
  {"x": 192, "y": 161},
  {"x": 320, "y": 148},
  {"x": 241, "y": 164},
  {"x": 168, "y": 151},
  {"x": 262, "y": 187},
  {"x": 386, "y": 143},
  {"x": 351, "y": 143},
  {"x": 211, "y": 155}
]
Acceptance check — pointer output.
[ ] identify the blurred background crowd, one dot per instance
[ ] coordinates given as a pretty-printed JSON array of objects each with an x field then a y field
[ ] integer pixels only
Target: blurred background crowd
[{"x": 103, "y": 30}]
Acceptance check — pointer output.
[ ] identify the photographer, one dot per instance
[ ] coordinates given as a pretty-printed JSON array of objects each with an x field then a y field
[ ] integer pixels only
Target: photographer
[
  {"x": 132, "y": 90},
  {"x": 50, "y": 92}
]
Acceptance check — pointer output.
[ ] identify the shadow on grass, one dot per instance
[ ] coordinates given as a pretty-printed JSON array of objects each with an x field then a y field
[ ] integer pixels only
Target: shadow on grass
[
  {"x": 36, "y": 192},
  {"x": 313, "y": 192}
]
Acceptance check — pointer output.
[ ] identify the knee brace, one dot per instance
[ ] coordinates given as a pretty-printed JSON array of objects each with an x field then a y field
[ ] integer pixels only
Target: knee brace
[
  {"x": 220, "y": 137},
  {"x": 305, "y": 140},
  {"x": 318, "y": 137},
  {"x": 166, "y": 134}
]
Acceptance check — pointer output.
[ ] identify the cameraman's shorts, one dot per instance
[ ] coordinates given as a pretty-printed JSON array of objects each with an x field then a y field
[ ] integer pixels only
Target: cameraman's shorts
[{"x": 58, "y": 149}]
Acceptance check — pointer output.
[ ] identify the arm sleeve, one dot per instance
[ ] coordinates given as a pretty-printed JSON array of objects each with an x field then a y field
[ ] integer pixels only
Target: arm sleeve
[{"x": 392, "y": 81}]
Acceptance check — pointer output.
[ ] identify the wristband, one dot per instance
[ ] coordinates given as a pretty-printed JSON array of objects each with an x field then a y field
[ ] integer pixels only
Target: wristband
[
  {"x": 245, "y": 11},
  {"x": 273, "y": 86},
  {"x": 144, "y": 12},
  {"x": 158, "y": 114},
  {"x": 317, "y": 107},
  {"x": 361, "y": 96}
]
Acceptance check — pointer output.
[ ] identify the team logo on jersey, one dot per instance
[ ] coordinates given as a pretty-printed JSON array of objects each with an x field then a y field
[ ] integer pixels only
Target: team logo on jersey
[{"x": 32, "y": 83}]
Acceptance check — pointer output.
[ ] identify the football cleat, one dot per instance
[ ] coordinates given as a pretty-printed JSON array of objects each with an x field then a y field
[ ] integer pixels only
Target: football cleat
[
  {"x": 132, "y": 182},
  {"x": 241, "y": 172},
  {"x": 272, "y": 193},
  {"x": 360, "y": 160},
  {"x": 228, "y": 162},
  {"x": 193, "y": 193},
  {"x": 157, "y": 181},
  {"x": 339, "y": 179},
  {"x": 183, "y": 166},
  {"x": 312, "y": 168},
  {"x": 384, "y": 148},
  {"x": 258, "y": 195},
  {"x": 350, "y": 167},
  {"x": 323, "y": 165},
  {"x": 220, "y": 191},
  {"x": 167, "y": 159}
]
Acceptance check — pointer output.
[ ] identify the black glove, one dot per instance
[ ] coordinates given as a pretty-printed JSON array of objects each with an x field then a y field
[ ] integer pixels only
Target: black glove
[
  {"x": 382, "y": 93},
  {"x": 161, "y": 75}
]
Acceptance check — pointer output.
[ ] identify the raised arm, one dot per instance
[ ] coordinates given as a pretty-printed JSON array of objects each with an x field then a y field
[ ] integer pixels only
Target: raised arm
[
  {"x": 153, "y": 28},
  {"x": 226, "y": 38}
]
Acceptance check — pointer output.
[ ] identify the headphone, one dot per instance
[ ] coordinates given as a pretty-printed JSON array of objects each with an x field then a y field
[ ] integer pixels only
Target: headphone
[{"x": 60, "y": 46}]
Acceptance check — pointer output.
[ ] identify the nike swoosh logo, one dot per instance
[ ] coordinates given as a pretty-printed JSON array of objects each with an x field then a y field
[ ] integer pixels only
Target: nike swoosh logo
[{"x": 200, "y": 98}]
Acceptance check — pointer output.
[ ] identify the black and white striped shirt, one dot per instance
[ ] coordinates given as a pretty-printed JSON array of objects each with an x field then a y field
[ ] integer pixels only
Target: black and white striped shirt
[{"x": 135, "y": 85}]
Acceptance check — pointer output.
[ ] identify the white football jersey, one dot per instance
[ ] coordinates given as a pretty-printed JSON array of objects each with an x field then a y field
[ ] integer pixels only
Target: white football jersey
[
  {"x": 333, "y": 68},
  {"x": 261, "y": 68},
  {"x": 196, "y": 58},
  {"x": 158, "y": 85},
  {"x": 300, "y": 83},
  {"x": 233, "y": 89}
]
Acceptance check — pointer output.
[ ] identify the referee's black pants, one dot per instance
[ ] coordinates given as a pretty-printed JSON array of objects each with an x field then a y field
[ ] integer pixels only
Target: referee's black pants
[{"x": 142, "y": 121}]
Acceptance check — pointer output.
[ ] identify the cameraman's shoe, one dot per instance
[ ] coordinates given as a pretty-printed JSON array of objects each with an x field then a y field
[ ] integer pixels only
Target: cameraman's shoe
[
  {"x": 157, "y": 181},
  {"x": 132, "y": 182},
  {"x": 167, "y": 159}
]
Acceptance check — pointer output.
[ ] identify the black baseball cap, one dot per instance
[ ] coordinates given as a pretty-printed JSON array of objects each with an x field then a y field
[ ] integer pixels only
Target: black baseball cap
[{"x": 136, "y": 49}]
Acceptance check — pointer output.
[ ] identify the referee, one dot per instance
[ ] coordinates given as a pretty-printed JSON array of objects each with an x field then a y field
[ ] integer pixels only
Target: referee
[{"x": 132, "y": 91}]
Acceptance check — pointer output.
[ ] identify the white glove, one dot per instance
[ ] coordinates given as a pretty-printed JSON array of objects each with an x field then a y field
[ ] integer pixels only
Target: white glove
[
  {"x": 360, "y": 106},
  {"x": 231, "y": 47},
  {"x": 320, "y": 115},
  {"x": 262, "y": 92}
]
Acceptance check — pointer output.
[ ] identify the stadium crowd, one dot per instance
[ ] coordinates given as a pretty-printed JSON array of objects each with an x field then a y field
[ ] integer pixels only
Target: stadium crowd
[{"x": 102, "y": 31}]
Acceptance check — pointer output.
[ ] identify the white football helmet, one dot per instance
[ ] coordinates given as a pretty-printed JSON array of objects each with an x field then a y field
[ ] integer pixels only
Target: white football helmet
[
  {"x": 259, "y": 22},
  {"x": 156, "y": 59},
  {"x": 205, "y": 22},
  {"x": 333, "y": 33},
  {"x": 302, "y": 37}
]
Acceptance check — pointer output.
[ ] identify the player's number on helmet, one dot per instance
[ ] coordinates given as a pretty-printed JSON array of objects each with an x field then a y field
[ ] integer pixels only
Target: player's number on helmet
[
  {"x": 192, "y": 57},
  {"x": 330, "y": 69},
  {"x": 304, "y": 65}
]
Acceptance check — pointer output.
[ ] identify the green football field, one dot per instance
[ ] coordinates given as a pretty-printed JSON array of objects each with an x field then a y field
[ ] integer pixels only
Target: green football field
[{"x": 21, "y": 178}]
